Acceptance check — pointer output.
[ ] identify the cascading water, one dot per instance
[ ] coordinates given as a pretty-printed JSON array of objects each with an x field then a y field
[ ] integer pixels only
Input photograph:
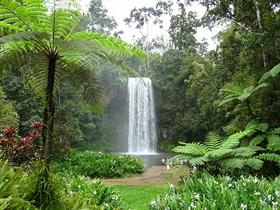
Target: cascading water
[{"x": 142, "y": 137}]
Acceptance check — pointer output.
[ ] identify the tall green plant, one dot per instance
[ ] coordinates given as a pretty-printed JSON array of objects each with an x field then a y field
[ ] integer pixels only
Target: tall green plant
[{"x": 46, "y": 41}]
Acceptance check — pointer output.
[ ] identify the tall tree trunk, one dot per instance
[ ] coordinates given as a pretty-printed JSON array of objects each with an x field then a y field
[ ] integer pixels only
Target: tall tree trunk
[
  {"x": 49, "y": 110},
  {"x": 261, "y": 29}
]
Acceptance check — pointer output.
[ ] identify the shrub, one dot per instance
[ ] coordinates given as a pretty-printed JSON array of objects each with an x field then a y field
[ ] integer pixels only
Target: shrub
[
  {"x": 12, "y": 193},
  {"x": 99, "y": 165},
  {"x": 20, "y": 149},
  {"x": 83, "y": 193},
  {"x": 223, "y": 192}
]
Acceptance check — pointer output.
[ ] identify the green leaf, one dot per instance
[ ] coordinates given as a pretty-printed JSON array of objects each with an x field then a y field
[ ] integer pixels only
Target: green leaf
[
  {"x": 194, "y": 149},
  {"x": 272, "y": 73},
  {"x": 273, "y": 142}
]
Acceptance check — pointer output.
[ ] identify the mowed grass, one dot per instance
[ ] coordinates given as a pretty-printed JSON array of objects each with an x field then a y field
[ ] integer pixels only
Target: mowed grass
[{"x": 138, "y": 197}]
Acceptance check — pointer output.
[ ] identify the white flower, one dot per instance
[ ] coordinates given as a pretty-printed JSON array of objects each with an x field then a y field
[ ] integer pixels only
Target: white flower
[
  {"x": 167, "y": 167},
  {"x": 243, "y": 206},
  {"x": 153, "y": 203},
  {"x": 274, "y": 205},
  {"x": 230, "y": 185},
  {"x": 163, "y": 160},
  {"x": 257, "y": 193},
  {"x": 194, "y": 169},
  {"x": 171, "y": 186},
  {"x": 277, "y": 193},
  {"x": 262, "y": 202},
  {"x": 192, "y": 206},
  {"x": 94, "y": 193},
  {"x": 196, "y": 196},
  {"x": 115, "y": 197},
  {"x": 255, "y": 180},
  {"x": 79, "y": 186},
  {"x": 270, "y": 197},
  {"x": 181, "y": 162},
  {"x": 106, "y": 205}
]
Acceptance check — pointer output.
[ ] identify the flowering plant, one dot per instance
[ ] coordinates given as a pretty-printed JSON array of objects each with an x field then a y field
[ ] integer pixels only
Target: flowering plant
[{"x": 17, "y": 148}]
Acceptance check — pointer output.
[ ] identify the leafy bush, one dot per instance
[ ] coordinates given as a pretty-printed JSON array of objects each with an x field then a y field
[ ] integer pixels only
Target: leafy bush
[
  {"x": 98, "y": 164},
  {"x": 247, "y": 149},
  {"x": 12, "y": 193},
  {"x": 204, "y": 191},
  {"x": 8, "y": 115},
  {"x": 19, "y": 149},
  {"x": 84, "y": 193}
]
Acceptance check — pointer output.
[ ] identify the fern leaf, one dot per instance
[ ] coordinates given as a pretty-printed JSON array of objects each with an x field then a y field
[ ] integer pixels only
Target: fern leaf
[
  {"x": 234, "y": 163},
  {"x": 270, "y": 157},
  {"x": 198, "y": 161},
  {"x": 257, "y": 140},
  {"x": 213, "y": 140},
  {"x": 255, "y": 163},
  {"x": 113, "y": 45},
  {"x": 219, "y": 153},
  {"x": 245, "y": 151},
  {"x": 193, "y": 149},
  {"x": 273, "y": 142},
  {"x": 276, "y": 131}
]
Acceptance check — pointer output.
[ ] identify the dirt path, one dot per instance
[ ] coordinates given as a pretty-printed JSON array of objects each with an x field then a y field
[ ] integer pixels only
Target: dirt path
[{"x": 152, "y": 175}]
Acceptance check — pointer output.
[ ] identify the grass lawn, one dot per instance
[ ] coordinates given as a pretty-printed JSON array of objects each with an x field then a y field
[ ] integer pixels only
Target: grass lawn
[{"x": 139, "y": 197}]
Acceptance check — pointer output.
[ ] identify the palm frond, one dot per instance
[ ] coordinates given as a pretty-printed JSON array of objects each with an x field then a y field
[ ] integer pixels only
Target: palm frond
[{"x": 219, "y": 153}]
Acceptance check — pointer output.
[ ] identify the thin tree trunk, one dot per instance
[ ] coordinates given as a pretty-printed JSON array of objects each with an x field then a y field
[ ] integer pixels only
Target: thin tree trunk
[
  {"x": 265, "y": 52},
  {"x": 49, "y": 110}
]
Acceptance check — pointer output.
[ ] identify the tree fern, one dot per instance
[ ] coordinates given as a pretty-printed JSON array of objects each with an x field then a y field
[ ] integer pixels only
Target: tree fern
[
  {"x": 273, "y": 142},
  {"x": 193, "y": 149},
  {"x": 270, "y": 157},
  {"x": 254, "y": 163},
  {"x": 213, "y": 140},
  {"x": 48, "y": 45}
]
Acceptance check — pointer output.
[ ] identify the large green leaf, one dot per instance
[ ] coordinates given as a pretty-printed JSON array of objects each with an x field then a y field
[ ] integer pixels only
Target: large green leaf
[{"x": 270, "y": 74}]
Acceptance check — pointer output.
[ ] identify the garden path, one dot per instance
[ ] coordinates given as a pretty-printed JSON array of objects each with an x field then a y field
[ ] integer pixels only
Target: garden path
[{"x": 156, "y": 175}]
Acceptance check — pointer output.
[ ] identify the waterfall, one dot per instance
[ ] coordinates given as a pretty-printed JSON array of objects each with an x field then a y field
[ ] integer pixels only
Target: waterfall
[{"x": 142, "y": 137}]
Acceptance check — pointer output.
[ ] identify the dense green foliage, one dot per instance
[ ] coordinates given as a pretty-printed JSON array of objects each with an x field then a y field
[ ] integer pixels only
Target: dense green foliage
[
  {"x": 203, "y": 191},
  {"x": 99, "y": 165},
  {"x": 22, "y": 190}
]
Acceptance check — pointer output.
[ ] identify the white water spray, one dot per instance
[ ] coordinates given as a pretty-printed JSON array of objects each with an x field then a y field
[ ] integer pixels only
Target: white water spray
[{"x": 142, "y": 137}]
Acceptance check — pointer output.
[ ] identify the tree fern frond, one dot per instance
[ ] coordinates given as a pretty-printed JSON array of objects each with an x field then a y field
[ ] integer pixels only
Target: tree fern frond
[
  {"x": 198, "y": 161},
  {"x": 273, "y": 142},
  {"x": 24, "y": 36},
  {"x": 63, "y": 22},
  {"x": 232, "y": 163},
  {"x": 234, "y": 140},
  {"x": 270, "y": 157},
  {"x": 114, "y": 46},
  {"x": 17, "y": 16},
  {"x": 255, "y": 163},
  {"x": 193, "y": 149},
  {"x": 254, "y": 125},
  {"x": 219, "y": 153},
  {"x": 213, "y": 140},
  {"x": 245, "y": 151},
  {"x": 257, "y": 140},
  {"x": 276, "y": 131}
]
